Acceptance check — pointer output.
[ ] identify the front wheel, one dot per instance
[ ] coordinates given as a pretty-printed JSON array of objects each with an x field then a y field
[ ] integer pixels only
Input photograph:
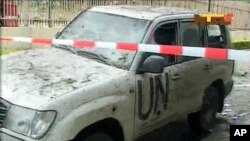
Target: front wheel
[{"x": 203, "y": 120}]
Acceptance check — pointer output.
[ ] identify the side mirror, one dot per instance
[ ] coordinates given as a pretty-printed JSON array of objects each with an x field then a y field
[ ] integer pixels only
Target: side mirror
[
  {"x": 57, "y": 34},
  {"x": 153, "y": 64}
]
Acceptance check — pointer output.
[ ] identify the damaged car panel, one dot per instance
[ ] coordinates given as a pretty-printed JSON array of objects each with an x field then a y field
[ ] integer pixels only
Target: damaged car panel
[
  {"x": 42, "y": 73},
  {"x": 69, "y": 84}
]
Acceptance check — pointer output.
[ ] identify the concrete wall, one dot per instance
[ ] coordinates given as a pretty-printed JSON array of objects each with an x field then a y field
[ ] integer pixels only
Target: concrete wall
[
  {"x": 44, "y": 32},
  {"x": 240, "y": 35}
]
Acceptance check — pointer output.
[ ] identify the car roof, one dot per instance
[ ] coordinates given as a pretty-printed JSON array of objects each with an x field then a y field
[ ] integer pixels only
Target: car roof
[{"x": 142, "y": 12}]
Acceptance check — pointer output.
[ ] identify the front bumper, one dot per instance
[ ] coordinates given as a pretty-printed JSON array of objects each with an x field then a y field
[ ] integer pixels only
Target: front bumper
[{"x": 6, "y": 137}]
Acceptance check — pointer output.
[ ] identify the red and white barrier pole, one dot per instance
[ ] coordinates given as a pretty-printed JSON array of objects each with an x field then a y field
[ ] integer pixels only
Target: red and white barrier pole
[{"x": 209, "y": 53}]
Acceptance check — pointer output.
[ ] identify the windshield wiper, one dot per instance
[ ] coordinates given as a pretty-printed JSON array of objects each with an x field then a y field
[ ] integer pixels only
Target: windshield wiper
[
  {"x": 70, "y": 48},
  {"x": 95, "y": 56}
]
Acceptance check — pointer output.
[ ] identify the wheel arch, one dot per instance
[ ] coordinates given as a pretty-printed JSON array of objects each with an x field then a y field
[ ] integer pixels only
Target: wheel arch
[
  {"x": 110, "y": 126},
  {"x": 219, "y": 85}
]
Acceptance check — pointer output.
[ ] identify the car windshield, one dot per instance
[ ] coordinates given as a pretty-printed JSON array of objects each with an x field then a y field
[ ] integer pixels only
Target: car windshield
[{"x": 96, "y": 26}]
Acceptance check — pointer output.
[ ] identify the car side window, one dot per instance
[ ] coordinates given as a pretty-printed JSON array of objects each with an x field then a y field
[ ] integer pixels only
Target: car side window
[
  {"x": 216, "y": 36},
  {"x": 192, "y": 36},
  {"x": 165, "y": 34}
]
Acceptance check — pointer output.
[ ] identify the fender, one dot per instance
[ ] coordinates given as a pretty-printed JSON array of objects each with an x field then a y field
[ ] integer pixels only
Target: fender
[{"x": 113, "y": 106}]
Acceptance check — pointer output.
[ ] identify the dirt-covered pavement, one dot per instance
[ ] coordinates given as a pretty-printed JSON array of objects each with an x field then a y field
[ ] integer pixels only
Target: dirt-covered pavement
[{"x": 236, "y": 111}]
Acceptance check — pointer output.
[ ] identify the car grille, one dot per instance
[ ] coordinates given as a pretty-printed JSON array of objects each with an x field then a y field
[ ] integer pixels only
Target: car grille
[{"x": 3, "y": 112}]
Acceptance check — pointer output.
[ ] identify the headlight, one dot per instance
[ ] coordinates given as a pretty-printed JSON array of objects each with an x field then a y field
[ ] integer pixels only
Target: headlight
[
  {"x": 29, "y": 122},
  {"x": 41, "y": 123}
]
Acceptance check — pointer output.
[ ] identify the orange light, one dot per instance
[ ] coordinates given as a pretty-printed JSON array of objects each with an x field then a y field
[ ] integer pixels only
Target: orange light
[{"x": 208, "y": 19}]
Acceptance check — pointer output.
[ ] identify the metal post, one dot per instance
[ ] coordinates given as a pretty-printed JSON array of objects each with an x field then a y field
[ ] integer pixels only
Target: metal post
[
  {"x": 248, "y": 22},
  {"x": 209, "y": 5},
  {"x": 49, "y": 23},
  {"x": 26, "y": 17}
]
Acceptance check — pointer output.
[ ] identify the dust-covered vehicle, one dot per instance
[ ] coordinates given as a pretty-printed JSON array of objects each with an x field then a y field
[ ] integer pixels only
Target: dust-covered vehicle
[{"x": 66, "y": 93}]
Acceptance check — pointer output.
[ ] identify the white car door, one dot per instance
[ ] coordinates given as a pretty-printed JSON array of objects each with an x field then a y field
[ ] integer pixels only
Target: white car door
[{"x": 154, "y": 92}]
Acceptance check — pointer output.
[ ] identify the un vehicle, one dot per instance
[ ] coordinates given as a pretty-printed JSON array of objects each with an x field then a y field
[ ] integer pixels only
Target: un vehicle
[{"x": 65, "y": 93}]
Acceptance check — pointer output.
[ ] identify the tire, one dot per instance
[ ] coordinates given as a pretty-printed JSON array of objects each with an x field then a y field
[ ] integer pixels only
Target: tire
[
  {"x": 203, "y": 120},
  {"x": 98, "y": 136}
]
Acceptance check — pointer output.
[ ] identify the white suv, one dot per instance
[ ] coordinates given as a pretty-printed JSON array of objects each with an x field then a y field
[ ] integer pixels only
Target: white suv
[{"x": 63, "y": 93}]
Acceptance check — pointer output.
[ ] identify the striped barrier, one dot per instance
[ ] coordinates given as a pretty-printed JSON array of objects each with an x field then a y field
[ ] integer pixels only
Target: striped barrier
[{"x": 209, "y": 53}]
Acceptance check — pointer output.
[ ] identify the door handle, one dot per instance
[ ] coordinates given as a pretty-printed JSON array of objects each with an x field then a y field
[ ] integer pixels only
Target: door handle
[
  {"x": 207, "y": 67},
  {"x": 176, "y": 77}
]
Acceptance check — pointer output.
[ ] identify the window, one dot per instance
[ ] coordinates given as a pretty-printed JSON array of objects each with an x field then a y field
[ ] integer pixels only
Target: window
[
  {"x": 165, "y": 34},
  {"x": 96, "y": 26},
  {"x": 192, "y": 36},
  {"x": 216, "y": 36}
]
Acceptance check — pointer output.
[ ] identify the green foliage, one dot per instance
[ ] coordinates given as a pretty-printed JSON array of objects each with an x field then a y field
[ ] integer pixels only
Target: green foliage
[
  {"x": 3, "y": 52},
  {"x": 246, "y": 1},
  {"x": 244, "y": 44}
]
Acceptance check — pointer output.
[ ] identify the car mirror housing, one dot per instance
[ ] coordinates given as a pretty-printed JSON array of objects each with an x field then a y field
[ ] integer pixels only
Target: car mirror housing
[{"x": 152, "y": 64}]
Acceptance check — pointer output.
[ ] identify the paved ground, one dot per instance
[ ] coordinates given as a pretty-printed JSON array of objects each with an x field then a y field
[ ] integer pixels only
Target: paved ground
[{"x": 236, "y": 111}]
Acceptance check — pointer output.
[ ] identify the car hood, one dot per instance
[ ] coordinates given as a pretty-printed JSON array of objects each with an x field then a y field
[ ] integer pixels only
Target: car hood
[{"x": 44, "y": 74}]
